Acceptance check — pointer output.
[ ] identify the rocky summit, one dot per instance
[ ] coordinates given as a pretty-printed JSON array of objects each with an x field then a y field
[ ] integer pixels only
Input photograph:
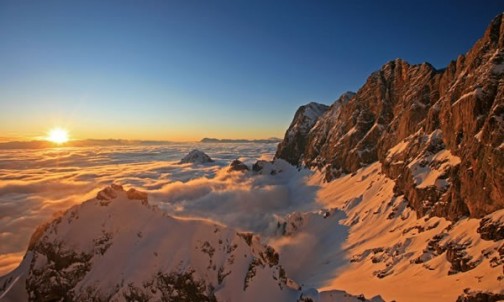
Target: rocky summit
[
  {"x": 293, "y": 146},
  {"x": 437, "y": 132},
  {"x": 196, "y": 157}
]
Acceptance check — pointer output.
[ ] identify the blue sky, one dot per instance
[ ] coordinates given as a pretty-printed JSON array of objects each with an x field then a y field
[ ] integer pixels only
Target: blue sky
[{"x": 183, "y": 70}]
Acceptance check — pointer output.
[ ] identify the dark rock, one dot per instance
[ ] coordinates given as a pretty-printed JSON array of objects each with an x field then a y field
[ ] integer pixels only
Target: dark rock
[
  {"x": 479, "y": 296},
  {"x": 265, "y": 167},
  {"x": 490, "y": 229},
  {"x": 237, "y": 165},
  {"x": 196, "y": 157},
  {"x": 459, "y": 259},
  {"x": 293, "y": 145},
  {"x": 107, "y": 194},
  {"x": 259, "y": 165}
]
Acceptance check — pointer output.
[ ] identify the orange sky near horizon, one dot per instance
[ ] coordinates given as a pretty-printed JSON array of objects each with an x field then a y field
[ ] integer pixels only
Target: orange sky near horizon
[
  {"x": 24, "y": 122},
  {"x": 26, "y": 132}
]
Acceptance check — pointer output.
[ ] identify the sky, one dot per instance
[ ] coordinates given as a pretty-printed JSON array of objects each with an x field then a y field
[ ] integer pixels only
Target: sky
[{"x": 184, "y": 70}]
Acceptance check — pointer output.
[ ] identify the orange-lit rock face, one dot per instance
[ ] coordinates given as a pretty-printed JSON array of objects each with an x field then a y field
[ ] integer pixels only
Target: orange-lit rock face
[{"x": 463, "y": 104}]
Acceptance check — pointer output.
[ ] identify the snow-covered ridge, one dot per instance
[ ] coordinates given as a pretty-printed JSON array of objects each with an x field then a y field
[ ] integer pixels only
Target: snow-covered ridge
[
  {"x": 118, "y": 247},
  {"x": 294, "y": 143},
  {"x": 307, "y": 115}
]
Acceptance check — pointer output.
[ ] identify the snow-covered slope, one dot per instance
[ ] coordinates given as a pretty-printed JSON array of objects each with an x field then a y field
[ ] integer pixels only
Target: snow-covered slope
[
  {"x": 118, "y": 247},
  {"x": 365, "y": 239}
]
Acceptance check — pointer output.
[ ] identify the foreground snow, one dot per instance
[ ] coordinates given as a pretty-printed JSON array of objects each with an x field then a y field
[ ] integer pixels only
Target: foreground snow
[{"x": 368, "y": 241}]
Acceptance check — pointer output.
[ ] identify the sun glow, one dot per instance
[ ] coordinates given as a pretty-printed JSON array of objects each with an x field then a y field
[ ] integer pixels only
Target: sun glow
[{"x": 58, "y": 136}]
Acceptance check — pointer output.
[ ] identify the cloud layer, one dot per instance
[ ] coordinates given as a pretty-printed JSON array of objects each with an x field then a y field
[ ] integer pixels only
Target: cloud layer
[{"x": 37, "y": 184}]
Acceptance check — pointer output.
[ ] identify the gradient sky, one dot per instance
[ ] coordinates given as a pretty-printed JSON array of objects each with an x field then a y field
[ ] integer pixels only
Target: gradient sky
[{"x": 183, "y": 70}]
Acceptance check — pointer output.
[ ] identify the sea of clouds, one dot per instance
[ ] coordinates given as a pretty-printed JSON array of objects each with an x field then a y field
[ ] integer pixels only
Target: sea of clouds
[{"x": 35, "y": 185}]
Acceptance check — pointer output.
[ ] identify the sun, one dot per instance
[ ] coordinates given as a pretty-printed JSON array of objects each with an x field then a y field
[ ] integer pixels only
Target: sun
[{"x": 58, "y": 136}]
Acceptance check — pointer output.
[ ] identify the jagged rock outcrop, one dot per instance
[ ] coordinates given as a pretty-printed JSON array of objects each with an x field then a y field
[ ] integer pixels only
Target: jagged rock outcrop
[
  {"x": 196, "y": 157},
  {"x": 480, "y": 296},
  {"x": 267, "y": 167},
  {"x": 492, "y": 226},
  {"x": 293, "y": 145},
  {"x": 237, "y": 165},
  {"x": 438, "y": 133},
  {"x": 260, "y": 165}
]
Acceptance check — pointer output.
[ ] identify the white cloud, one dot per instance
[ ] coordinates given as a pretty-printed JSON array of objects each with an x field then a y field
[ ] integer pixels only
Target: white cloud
[{"x": 36, "y": 184}]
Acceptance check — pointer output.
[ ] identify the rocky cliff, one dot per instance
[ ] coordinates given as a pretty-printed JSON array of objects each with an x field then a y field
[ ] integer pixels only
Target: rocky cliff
[
  {"x": 438, "y": 133},
  {"x": 293, "y": 145}
]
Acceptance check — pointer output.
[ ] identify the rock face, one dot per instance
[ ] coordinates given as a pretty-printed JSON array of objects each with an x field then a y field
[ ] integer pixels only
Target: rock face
[
  {"x": 438, "y": 133},
  {"x": 196, "y": 157},
  {"x": 293, "y": 146}
]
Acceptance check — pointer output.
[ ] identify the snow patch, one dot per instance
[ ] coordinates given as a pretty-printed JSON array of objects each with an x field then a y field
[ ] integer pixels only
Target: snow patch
[
  {"x": 397, "y": 149},
  {"x": 477, "y": 92},
  {"x": 428, "y": 170}
]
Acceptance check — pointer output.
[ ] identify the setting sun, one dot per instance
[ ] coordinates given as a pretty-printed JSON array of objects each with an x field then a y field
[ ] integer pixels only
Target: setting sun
[{"x": 58, "y": 136}]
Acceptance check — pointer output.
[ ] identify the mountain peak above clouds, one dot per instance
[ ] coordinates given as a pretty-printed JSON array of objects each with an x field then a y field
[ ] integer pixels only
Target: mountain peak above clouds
[{"x": 196, "y": 157}]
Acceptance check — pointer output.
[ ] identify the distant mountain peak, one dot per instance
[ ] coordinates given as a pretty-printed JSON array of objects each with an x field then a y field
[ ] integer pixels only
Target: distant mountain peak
[{"x": 196, "y": 157}]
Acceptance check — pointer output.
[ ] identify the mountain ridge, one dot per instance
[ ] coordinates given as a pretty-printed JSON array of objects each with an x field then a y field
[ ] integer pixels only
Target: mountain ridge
[
  {"x": 425, "y": 110},
  {"x": 119, "y": 247}
]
